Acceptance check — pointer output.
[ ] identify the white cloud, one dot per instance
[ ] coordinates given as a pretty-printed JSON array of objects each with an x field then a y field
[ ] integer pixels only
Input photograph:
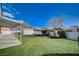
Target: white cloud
[
  {"x": 5, "y": 8},
  {"x": 16, "y": 11},
  {"x": 9, "y": 9},
  {"x": 8, "y": 14}
]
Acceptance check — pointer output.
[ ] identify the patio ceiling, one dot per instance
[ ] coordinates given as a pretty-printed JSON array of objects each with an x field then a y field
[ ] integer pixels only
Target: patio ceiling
[{"x": 8, "y": 22}]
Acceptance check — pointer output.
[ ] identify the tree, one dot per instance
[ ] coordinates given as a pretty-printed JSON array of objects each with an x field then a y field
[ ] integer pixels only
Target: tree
[{"x": 56, "y": 22}]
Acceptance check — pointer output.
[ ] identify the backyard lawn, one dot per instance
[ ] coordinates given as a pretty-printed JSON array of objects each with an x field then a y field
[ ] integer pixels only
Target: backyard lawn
[{"x": 42, "y": 45}]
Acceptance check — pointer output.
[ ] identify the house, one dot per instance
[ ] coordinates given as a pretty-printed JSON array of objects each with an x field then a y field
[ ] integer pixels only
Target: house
[
  {"x": 27, "y": 30},
  {"x": 8, "y": 25},
  {"x": 73, "y": 33},
  {"x": 7, "y": 38},
  {"x": 74, "y": 28},
  {"x": 43, "y": 31},
  {"x": 8, "y": 28},
  {"x": 37, "y": 31},
  {"x": 5, "y": 30}
]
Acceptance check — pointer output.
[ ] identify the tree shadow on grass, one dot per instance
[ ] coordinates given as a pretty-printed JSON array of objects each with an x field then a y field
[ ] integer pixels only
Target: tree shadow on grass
[{"x": 63, "y": 54}]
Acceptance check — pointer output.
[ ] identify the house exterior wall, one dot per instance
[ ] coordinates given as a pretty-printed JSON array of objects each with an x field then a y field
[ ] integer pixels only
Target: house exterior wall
[
  {"x": 35, "y": 32},
  {"x": 5, "y": 30},
  {"x": 27, "y": 31},
  {"x": 72, "y": 35},
  {"x": 51, "y": 33},
  {"x": 74, "y": 28}
]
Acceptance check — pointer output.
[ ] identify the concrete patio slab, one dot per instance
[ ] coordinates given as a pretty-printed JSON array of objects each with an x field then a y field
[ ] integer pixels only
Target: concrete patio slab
[{"x": 8, "y": 41}]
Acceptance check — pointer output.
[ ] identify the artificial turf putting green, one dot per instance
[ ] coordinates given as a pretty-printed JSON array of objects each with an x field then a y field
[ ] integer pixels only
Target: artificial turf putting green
[{"x": 42, "y": 45}]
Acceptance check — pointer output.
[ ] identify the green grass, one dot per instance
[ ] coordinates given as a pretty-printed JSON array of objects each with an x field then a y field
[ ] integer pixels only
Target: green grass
[{"x": 38, "y": 45}]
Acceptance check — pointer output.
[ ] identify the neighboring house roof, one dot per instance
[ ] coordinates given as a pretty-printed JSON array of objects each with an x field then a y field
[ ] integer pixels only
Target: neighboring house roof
[
  {"x": 76, "y": 26},
  {"x": 73, "y": 27}
]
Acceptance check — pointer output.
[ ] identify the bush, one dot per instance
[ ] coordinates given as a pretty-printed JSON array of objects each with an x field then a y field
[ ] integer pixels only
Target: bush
[{"x": 62, "y": 33}]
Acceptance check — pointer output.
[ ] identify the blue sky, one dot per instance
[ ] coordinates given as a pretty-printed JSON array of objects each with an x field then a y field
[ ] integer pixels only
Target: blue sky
[{"x": 38, "y": 15}]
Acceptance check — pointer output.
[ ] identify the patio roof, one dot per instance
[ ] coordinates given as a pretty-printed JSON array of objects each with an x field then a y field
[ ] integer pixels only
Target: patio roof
[{"x": 8, "y": 22}]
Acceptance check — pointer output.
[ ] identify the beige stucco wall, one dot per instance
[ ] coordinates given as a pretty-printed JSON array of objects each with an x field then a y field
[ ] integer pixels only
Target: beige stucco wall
[
  {"x": 5, "y": 30},
  {"x": 27, "y": 31}
]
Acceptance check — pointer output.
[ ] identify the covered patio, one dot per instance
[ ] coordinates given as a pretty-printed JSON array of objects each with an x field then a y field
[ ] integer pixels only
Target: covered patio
[{"x": 9, "y": 40}]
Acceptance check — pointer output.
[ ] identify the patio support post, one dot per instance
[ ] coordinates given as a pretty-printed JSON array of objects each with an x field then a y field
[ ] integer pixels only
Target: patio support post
[
  {"x": 20, "y": 33},
  {"x": 0, "y": 29}
]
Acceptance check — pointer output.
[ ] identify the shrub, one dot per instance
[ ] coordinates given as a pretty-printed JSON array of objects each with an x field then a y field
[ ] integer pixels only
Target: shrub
[{"x": 62, "y": 33}]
